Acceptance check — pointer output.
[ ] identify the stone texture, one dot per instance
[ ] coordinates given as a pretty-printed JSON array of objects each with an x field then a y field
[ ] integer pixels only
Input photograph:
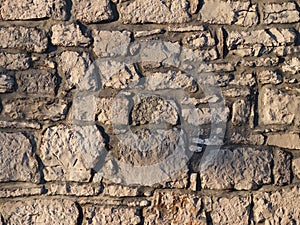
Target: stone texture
[
  {"x": 173, "y": 208},
  {"x": 292, "y": 66},
  {"x": 249, "y": 139},
  {"x": 17, "y": 159},
  {"x": 229, "y": 12},
  {"x": 259, "y": 62},
  {"x": 296, "y": 167},
  {"x": 234, "y": 210},
  {"x": 28, "y": 9},
  {"x": 19, "y": 125},
  {"x": 7, "y": 83},
  {"x": 29, "y": 39},
  {"x": 282, "y": 168},
  {"x": 69, "y": 35},
  {"x": 40, "y": 82},
  {"x": 278, "y": 207},
  {"x": 73, "y": 189},
  {"x": 111, "y": 43},
  {"x": 96, "y": 215},
  {"x": 269, "y": 77},
  {"x": 240, "y": 112},
  {"x": 20, "y": 191},
  {"x": 40, "y": 211},
  {"x": 154, "y": 11},
  {"x": 74, "y": 66},
  {"x": 11, "y": 61},
  {"x": 29, "y": 108},
  {"x": 287, "y": 140},
  {"x": 92, "y": 11},
  {"x": 241, "y": 169},
  {"x": 201, "y": 39},
  {"x": 280, "y": 13},
  {"x": 278, "y": 107},
  {"x": 121, "y": 191},
  {"x": 69, "y": 153}
]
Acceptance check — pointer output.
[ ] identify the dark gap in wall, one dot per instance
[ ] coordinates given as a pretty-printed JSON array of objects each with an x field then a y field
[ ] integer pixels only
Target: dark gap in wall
[
  {"x": 69, "y": 5},
  {"x": 80, "y": 216},
  {"x": 208, "y": 218},
  {"x": 115, "y": 12},
  {"x": 225, "y": 36},
  {"x": 251, "y": 212}
]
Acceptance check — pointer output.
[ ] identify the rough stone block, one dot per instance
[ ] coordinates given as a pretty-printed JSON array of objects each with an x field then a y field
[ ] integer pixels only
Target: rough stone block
[
  {"x": 7, "y": 83},
  {"x": 201, "y": 39},
  {"x": 292, "y": 66},
  {"x": 296, "y": 167},
  {"x": 240, "y": 112},
  {"x": 73, "y": 189},
  {"x": 17, "y": 160},
  {"x": 282, "y": 168},
  {"x": 11, "y": 61},
  {"x": 287, "y": 140},
  {"x": 269, "y": 77}
]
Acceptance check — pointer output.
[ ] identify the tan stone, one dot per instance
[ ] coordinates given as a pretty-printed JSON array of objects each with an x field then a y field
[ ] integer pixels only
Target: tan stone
[
  {"x": 73, "y": 189},
  {"x": 11, "y": 61},
  {"x": 201, "y": 39},
  {"x": 240, "y": 112},
  {"x": 40, "y": 211},
  {"x": 19, "y": 191},
  {"x": 296, "y": 167},
  {"x": 7, "y": 83},
  {"x": 269, "y": 77},
  {"x": 260, "y": 62},
  {"x": 292, "y": 66},
  {"x": 19, "y": 125},
  {"x": 285, "y": 12},
  {"x": 282, "y": 168},
  {"x": 287, "y": 140}
]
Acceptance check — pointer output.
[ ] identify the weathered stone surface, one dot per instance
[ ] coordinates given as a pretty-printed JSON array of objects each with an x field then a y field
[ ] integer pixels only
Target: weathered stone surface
[
  {"x": 173, "y": 208},
  {"x": 7, "y": 83},
  {"x": 73, "y": 189},
  {"x": 287, "y": 140},
  {"x": 249, "y": 139},
  {"x": 259, "y": 62},
  {"x": 96, "y": 215},
  {"x": 292, "y": 66},
  {"x": 187, "y": 28},
  {"x": 269, "y": 77},
  {"x": 258, "y": 42},
  {"x": 241, "y": 169},
  {"x": 235, "y": 210},
  {"x": 69, "y": 35},
  {"x": 17, "y": 159},
  {"x": 69, "y": 153},
  {"x": 154, "y": 11},
  {"x": 236, "y": 92},
  {"x": 40, "y": 82},
  {"x": 120, "y": 190},
  {"x": 203, "y": 39},
  {"x": 92, "y": 11},
  {"x": 287, "y": 50},
  {"x": 282, "y": 168},
  {"x": 29, "y": 39},
  {"x": 19, "y": 125},
  {"x": 40, "y": 211},
  {"x": 278, "y": 107},
  {"x": 279, "y": 207},
  {"x": 11, "y": 61},
  {"x": 28, "y": 9},
  {"x": 111, "y": 43},
  {"x": 146, "y": 33},
  {"x": 194, "y": 4},
  {"x": 17, "y": 191},
  {"x": 229, "y": 12},
  {"x": 280, "y": 13},
  {"x": 296, "y": 167},
  {"x": 74, "y": 67},
  {"x": 240, "y": 112}
]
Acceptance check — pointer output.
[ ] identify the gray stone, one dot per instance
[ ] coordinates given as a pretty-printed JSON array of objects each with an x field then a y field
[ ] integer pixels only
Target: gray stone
[
  {"x": 17, "y": 160},
  {"x": 111, "y": 43},
  {"x": 92, "y": 11},
  {"x": 292, "y": 66},
  {"x": 194, "y": 4},
  {"x": 28, "y": 9},
  {"x": 241, "y": 169},
  {"x": 201, "y": 39},
  {"x": 154, "y": 11},
  {"x": 187, "y": 28},
  {"x": 69, "y": 153},
  {"x": 296, "y": 167},
  {"x": 7, "y": 83},
  {"x": 244, "y": 79},
  {"x": 249, "y": 139},
  {"x": 234, "y": 210},
  {"x": 282, "y": 168},
  {"x": 269, "y": 77},
  {"x": 285, "y": 12},
  {"x": 277, "y": 207},
  {"x": 69, "y": 35},
  {"x": 174, "y": 208},
  {"x": 19, "y": 125},
  {"x": 287, "y": 140},
  {"x": 96, "y": 215},
  {"x": 11, "y": 61},
  {"x": 39, "y": 82},
  {"x": 39, "y": 108},
  {"x": 29, "y": 39},
  {"x": 240, "y": 112},
  {"x": 40, "y": 211}
]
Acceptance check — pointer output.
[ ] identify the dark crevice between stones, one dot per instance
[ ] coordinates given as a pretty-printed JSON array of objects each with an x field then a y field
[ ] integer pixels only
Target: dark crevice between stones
[
  {"x": 254, "y": 101},
  {"x": 251, "y": 212},
  {"x": 69, "y": 5},
  {"x": 115, "y": 14},
  {"x": 208, "y": 218},
  {"x": 225, "y": 36},
  {"x": 80, "y": 214}
]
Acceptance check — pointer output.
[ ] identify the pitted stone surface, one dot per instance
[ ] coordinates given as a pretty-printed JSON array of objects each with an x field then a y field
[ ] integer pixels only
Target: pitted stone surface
[
  {"x": 7, "y": 83},
  {"x": 14, "y": 61}
]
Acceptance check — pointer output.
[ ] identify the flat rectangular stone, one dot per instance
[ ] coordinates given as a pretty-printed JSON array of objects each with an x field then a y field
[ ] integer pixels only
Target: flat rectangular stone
[
  {"x": 73, "y": 189},
  {"x": 17, "y": 191},
  {"x": 287, "y": 140},
  {"x": 7, "y": 83},
  {"x": 23, "y": 38},
  {"x": 17, "y": 61},
  {"x": 28, "y": 9}
]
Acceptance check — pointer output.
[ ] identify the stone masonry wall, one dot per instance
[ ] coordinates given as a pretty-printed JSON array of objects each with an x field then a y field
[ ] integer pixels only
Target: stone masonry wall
[{"x": 150, "y": 112}]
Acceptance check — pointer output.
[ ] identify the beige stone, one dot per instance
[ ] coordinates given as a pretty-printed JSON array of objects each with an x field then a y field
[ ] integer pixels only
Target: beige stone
[
  {"x": 277, "y": 207},
  {"x": 7, "y": 83},
  {"x": 282, "y": 168},
  {"x": 269, "y": 77},
  {"x": 69, "y": 35},
  {"x": 240, "y": 112},
  {"x": 234, "y": 92},
  {"x": 120, "y": 190},
  {"x": 19, "y": 125},
  {"x": 296, "y": 167},
  {"x": 260, "y": 62},
  {"x": 201, "y": 39},
  {"x": 241, "y": 168},
  {"x": 154, "y": 11},
  {"x": 194, "y": 6},
  {"x": 17, "y": 161},
  {"x": 28, "y": 9},
  {"x": 19, "y": 191},
  {"x": 73, "y": 189},
  {"x": 23, "y": 38},
  {"x": 287, "y": 140},
  {"x": 292, "y": 66},
  {"x": 12, "y": 61},
  {"x": 285, "y": 12},
  {"x": 40, "y": 211}
]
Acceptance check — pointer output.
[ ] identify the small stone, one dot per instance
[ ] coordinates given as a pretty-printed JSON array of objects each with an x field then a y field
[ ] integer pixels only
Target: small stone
[
  {"x": 111, "y": 43},
  {"x": 7, "y": 83},
  {"x": 296, "y": 167},
  {"x": 146, "y": 33},
  {"x": 69, "y": 35},
  {"x": 199, "y": 40},
  {"x": 240, "y": 112},
  {"x": 245, "y": 79},
  {"x": 241, "y": 169},
  {"x": 154, "y": 11},
  {"x": 287, "y": 50},
  {"x": 292, "y": 66},
  {"x": 92, "y": 11},
  {"x": 11, "y": 61},
  {"x": 277, "y": 207},
  {"x": 20, "y": 125},
  {"x": 28, "y": 9},
  {"x": 73, "y": 189},
  {"x": 280, "y": 13},
  {"x": 282, "y": 168},
  {"x": 236, "y": 92},
  {"x": 28, "y": 39},
  {"x": 269, "y": 77},
  {"x": 287, "y": 140},
  {"x": 188, "y": 28},
  {"x": 233, "y": 211},
  {"x": 95, "y": 215},
  {"x": 40, "y": 211},
  {"x": 16, "y": 191},
  {"x": 120, "y": 190},
  {"x": 260, "y": 62},
  {"x": 194, "y": 6},
  {"x": 17, "y": 160},
  {"x": 194, "y": 181}
]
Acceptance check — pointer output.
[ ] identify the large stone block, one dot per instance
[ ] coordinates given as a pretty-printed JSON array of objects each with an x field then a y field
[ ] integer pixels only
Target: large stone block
[
  {"x": 286, "y": 140},
  {"x": 17, "y": 160}
]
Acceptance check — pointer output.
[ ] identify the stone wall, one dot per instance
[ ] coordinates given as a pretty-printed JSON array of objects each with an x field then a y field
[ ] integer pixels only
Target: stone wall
[{"x": 149, "y": 112}]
